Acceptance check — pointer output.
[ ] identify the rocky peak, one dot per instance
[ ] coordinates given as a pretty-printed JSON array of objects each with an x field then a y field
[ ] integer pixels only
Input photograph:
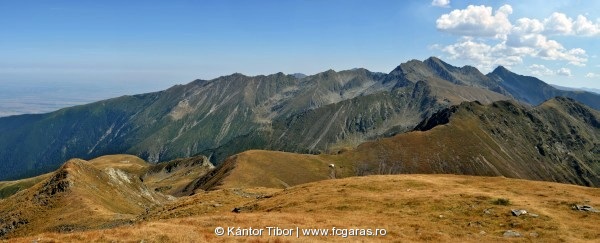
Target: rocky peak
[{"x": 501, "y": 70}]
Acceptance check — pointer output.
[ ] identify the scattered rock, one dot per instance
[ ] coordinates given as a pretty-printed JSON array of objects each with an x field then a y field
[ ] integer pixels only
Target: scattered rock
[
  {"x": 441, "y": 216},
  {"x": 518, "y": 212},
  {"x": 587, "y": 208},
  {"x": 514, "y": 224},
  {"x": 474, "y": 224},
  {"x": 236, "y": 210},
  {"x": 482, "y": 232},
  {"x": 488, "y": 211},
  {"x": 217, "y": 205},
  {"x": 512, "y": 233},
  {"x": 533, "y": 215},
  {"x": 534, "y": 234}
]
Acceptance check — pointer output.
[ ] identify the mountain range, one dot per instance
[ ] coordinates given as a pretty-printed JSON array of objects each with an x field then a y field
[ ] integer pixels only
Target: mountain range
[
  {"x": 177, "y": 164},
  {"x": 323, "y": 113},
  {"x": 557, "y": 141}
]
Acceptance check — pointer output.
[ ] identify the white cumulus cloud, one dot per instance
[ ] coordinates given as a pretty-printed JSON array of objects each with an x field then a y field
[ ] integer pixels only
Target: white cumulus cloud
[
  {"x": 561, "y": 24},
  {"x": 441, "y": 3},
  {"x": 490, "y": 38},
  {"x": 558, "y": 23},
  {"x": 484, "y": 56},
  {"x": 585, "y": 27},
  {"x": 476, "y": 21}
]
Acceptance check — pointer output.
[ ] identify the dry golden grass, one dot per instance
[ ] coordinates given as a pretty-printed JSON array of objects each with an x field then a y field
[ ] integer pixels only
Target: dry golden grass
[
  {"x": 259, "y": 168},
  {"x": 103, "y": 192},
  {"x": 9, "y": 188},
  {"x": 275, "y": 169},
  {"x": 125, "y": 162},
  {"x": 412, "y": 208}
]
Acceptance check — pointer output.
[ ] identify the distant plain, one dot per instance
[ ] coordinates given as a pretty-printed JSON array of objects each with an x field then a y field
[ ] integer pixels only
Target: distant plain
[{"x": 18, "y": 98}]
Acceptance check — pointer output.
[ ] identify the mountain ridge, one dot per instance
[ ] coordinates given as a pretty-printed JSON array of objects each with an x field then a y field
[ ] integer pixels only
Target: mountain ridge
[
  {"x": 534, "y": 91},
  {"x": 557, "y": 141},
  {"x": 112, "y": 190},
  {"x": 233, "y": 113}
]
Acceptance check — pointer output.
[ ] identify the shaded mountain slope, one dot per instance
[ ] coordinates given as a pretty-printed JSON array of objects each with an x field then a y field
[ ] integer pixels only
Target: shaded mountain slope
[
  {"x": 534, "y": 91},
  {"x": 172, "y": 177},
  {"x": 557, "y": 141}
]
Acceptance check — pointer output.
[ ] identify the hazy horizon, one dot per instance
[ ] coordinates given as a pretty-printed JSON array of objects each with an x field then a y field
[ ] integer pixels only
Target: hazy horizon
[{"x": 17, "y": 98}]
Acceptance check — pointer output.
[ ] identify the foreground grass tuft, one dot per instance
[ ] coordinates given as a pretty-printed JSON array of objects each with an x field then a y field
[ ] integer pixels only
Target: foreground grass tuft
[{"x": 502, "y": 201}]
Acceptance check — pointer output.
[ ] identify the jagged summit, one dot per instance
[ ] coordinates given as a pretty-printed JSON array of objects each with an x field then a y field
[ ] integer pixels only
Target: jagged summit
[
  {"x": 501, "y": 69},
  {"x": 435, "y": 62}
]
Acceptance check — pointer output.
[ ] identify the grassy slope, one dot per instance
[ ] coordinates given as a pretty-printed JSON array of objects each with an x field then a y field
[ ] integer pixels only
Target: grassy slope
[
  {"x": 498, "y": 139},
  {"x": 106, "y": 192},
  {"x": 275, "y": 169},
  {"x": 411, "y": 208},
  {"x": 99, "y": 193},
  {"x": 9, "y": 188},
  {"x": 556, "y": 141}
]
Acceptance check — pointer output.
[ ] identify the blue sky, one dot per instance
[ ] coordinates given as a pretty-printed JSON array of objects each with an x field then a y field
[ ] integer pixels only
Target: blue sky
[{"x": 160, "y": 43}]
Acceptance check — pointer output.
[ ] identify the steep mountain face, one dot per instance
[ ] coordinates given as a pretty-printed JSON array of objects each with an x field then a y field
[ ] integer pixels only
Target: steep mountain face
[
  {"x": 435, "y": 68},
  {"x": 557, "y": 141},
  {"x": 225, "y": 116},
  {"x": 327, "y": 111},
  {"x": 501, "y": 81},
  {"x": 534, "y": 91}
]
